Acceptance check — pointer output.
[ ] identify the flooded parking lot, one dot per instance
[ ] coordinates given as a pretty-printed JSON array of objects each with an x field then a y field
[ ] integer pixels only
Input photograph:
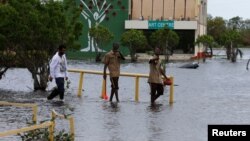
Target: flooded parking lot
[{"x": 217, "y": 92}]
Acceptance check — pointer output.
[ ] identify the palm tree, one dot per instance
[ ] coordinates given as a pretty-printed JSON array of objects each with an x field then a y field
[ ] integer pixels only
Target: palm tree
[
  {"x": 207, "y": 42},
  {"x": 231, "y": 39}
]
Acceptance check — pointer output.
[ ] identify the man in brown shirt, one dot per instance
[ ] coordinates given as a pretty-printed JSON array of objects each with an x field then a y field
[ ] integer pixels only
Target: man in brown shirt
[
  {"x": 155, "y": 76},
  {"x": 112, "y": 61}
]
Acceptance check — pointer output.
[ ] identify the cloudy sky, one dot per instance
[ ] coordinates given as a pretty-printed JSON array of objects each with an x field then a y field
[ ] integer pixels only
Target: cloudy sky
[{"x": 229, "y": 8}]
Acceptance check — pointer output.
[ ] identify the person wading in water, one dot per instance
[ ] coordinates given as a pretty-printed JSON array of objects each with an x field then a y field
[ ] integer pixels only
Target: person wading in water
[
  {"x": 111, "y": 61},
  {"x": 155, "y": 76}
]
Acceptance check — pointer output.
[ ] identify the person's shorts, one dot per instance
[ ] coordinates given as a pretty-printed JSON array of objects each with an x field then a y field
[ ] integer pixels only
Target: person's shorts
[
  {"x": 156, "y": 88},
  {"x": 114, "y": 82}
]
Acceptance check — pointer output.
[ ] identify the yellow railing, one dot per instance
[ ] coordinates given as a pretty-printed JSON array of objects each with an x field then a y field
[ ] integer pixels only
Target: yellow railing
[
  {"x": 55, "y": 115},
  {"x": 47, "y": 124},
  {"x": 135, "y": 75},
  {"x": 50, "y": 124},
  {"x": 33, "y": 106}
]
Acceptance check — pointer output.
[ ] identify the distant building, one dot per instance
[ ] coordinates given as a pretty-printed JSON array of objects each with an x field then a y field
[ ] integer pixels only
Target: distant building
[{"x": 186, "y": 17}]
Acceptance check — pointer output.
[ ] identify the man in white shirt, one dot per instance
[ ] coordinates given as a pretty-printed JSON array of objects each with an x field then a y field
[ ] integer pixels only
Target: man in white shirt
[{"x": 58, "y": 71}]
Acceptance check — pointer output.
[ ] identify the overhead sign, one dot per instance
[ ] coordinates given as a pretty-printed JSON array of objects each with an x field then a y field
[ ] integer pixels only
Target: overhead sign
[{"x": 160, "y": 24}]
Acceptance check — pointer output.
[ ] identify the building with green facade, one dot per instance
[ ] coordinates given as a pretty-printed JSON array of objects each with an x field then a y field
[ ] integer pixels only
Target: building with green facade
[{"x": 187, "y": 18}]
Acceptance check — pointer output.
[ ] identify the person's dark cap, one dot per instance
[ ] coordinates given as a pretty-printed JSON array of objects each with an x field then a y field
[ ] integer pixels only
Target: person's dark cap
[{"x": 116, "y": 46}]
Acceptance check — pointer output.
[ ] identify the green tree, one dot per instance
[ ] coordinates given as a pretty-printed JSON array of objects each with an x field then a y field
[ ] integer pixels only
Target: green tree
[
  {"x": 101, "y": 36},
  {"x": 207, "y": 41},
  {"x": 8, "y": 40},
  {"x": 231, "y": 38},
  {"x": 165, "y": 39},
  {"x": 247, "y": 24},
  {"x": 245, "y": 32},
  {"x": 236, "y": 23},
  {"x": 40, "y": 28},
  {"x": 246, "y": 37},
  {"x": 172, "y": 39},
  {"x": 133, "y": 39},
  {"x": 216, "y": 27}
]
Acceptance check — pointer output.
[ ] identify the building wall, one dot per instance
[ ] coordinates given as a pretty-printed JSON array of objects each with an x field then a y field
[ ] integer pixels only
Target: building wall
[
  {"x": 154, "y": 10},
  {"x": 182, "y": 12},
  {"x": 109, "y": 13},
  {"x": 164, "y": 9}
]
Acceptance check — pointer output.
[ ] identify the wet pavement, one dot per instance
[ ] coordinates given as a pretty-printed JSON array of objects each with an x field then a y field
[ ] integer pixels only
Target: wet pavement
[{"x": 217, "y": 92}]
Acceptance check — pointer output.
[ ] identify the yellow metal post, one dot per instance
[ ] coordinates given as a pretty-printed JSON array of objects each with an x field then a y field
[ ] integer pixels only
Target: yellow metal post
[
  {"x": 51, "y": 131},
  {"x": 137, "y": 88},
  {"x": 25, "y": 129},
  {"x": 53, "y": 115},
  {"x": 52, "y": 127},
  {"x": 80, "y": 84},
  {"x": 34, "y": 108},
  {"x": 136, "y": 75},
  {"x": 72, "y": 127},
  {"x": 171, "y": 96}
]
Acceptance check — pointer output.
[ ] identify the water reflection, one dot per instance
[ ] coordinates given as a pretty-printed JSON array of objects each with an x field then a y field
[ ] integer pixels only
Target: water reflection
[
  {"x": 156, "y": 123},
  {"x": 155, "y": 107},
  {"x": 111, "y": 121},
  {"x": 111, "y": 106},
  {"x": 215, "y": 93}
]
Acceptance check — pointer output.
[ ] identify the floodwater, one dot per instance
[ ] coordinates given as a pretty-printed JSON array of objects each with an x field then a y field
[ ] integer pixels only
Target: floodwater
[{"x": 217, "y": 92}]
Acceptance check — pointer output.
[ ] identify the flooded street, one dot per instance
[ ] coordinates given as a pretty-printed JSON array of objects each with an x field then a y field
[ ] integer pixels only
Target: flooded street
[{"x": 217, "y": 92}]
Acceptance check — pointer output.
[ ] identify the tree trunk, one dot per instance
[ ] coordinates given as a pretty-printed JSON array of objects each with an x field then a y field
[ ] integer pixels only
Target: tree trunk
[
  {"x": 228, "y": 52},
  {"x": 98, "y": 55},
  {"x": 43, "y": 78},
  {"x": 205, "y": 55},
  {"x": 233, "y": 53},
  {"x": 40, "y": 78},
  {"x": 3, "y": 71},
  {"x": 133, "y": 57},
  {"x": 166, "y": 53},
  {"x": 36, "y": 82},
  {"x": 132, "y": 54},
  {"x": 233, "y": 58}
]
